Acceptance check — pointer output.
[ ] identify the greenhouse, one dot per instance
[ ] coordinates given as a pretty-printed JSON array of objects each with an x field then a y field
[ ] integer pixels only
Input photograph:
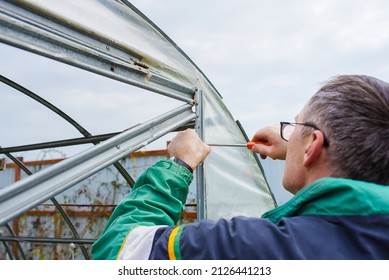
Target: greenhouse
[{"x": 55, "y": 209}]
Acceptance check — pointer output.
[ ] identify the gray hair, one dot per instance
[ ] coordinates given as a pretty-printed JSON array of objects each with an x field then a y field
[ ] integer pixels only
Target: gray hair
[{"x": 353, "y": 113}]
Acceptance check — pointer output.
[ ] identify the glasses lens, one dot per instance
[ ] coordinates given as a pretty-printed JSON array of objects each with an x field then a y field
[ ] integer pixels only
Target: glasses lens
[{"x": 287, "y": 131}]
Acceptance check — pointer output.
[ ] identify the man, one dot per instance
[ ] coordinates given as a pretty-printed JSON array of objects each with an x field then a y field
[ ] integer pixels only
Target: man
[{"x": 337, "y": 165}]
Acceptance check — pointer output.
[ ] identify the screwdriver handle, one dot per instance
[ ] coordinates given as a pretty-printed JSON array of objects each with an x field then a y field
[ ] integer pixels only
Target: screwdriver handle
[{"x": 251, "y": 144}]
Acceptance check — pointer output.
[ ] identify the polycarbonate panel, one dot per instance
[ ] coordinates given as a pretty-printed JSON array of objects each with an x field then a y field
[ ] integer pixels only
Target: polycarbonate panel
[{"x": 235, "y": 184}]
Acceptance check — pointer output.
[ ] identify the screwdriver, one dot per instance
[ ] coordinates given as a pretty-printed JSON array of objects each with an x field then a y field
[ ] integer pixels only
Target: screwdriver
[{"x": 249, "y": 145}]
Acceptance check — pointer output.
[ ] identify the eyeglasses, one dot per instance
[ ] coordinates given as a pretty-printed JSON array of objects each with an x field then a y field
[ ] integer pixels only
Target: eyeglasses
[{"x": 286, "y": 129}]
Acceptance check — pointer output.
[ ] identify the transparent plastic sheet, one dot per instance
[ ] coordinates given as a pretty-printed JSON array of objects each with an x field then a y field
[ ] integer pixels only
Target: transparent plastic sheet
[{"x": 234, "y": 183}]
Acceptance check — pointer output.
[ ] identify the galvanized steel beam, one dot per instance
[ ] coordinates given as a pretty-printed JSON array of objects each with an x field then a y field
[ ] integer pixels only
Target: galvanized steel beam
[
  {"x": 60, "y": 143},
  {"x": 21, "y": 196},
  {"x": 46, "y": 240},
  {"x": 37, "y": 32},
  {"x": 200, "y": 178}
]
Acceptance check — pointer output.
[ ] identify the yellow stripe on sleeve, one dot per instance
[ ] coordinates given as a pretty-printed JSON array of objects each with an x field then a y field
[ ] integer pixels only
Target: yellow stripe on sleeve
[{"x": 170, "y": 244}]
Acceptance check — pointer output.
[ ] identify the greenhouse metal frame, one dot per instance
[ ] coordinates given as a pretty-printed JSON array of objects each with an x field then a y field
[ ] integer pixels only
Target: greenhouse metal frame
[{"x": 38, "y": 27}]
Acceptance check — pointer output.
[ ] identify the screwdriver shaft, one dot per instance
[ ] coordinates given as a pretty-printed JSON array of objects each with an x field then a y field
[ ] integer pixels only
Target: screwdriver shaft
[
  {"x": 248, "y": 145},
  {"x": 228, "y": 145}
]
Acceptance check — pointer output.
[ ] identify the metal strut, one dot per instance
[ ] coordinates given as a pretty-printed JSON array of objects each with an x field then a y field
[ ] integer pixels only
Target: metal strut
[{"x": 23, "y": 195}]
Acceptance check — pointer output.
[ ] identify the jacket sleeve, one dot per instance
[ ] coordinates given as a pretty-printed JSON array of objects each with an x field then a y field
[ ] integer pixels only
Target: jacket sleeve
[{"x": 156, "y": 201}]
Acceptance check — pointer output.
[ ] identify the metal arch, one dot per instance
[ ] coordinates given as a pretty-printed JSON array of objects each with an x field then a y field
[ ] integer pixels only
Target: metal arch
[
  {"x": 258, "y": 163},
  {"x": 7, "y": 249},
  {"x": 144, "y": 17},
  {"x": 66, "y": 117},
  {"x": 45, "y": 103},
  {"x": 17, "y": 243}
]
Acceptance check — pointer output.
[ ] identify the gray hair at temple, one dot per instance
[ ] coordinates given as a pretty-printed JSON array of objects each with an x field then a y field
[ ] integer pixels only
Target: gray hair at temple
[{"x": 353, "y": 113}]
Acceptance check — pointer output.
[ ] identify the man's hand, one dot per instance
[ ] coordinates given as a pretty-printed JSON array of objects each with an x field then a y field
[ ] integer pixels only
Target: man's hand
[
  {"x": 187, "y": 146},
  {"x": 274, "y": 147}
]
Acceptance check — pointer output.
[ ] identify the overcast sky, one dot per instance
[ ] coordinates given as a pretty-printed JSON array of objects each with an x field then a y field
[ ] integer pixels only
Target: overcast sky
[{"x": 266, "y": 58}]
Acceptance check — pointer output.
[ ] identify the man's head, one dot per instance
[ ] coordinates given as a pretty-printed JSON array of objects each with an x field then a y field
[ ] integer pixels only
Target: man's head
[{"x": 353, "y": 113}]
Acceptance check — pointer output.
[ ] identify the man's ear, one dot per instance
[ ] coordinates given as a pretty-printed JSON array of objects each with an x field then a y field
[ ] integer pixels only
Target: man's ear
[{"x": 314, "y": 147}]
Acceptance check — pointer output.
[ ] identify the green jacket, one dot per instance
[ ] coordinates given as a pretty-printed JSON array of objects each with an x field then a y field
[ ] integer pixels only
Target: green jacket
[{"x": 329, "y": 219}]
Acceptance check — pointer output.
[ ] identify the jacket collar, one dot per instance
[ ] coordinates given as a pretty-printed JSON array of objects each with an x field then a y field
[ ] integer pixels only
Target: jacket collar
[{"x": 335, "y": 197}]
